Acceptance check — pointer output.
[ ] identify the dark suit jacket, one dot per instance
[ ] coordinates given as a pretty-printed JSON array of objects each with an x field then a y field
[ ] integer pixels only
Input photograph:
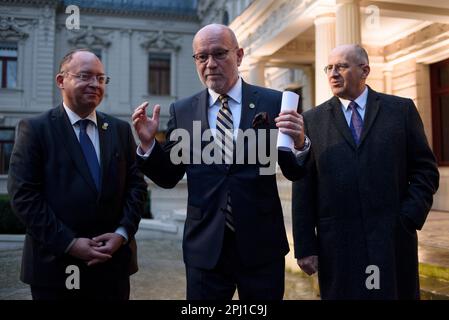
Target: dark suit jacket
[
  {"x": 366, "y": 201},
  {"x": 260, "y": 232},
  {"x": 54, "y": 195}
]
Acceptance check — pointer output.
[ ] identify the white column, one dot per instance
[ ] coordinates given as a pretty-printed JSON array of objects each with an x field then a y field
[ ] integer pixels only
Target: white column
[
  {"x": 324, "y": 43},
  {"x": 257, "y": 73},
  {"x": 388, "y": 80},
  {"x": 348, "y": 22}
]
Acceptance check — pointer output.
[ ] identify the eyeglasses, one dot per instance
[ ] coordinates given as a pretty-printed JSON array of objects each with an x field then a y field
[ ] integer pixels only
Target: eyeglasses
[
  {"x": 339, "y": 67},
  {"x": 217, "y": 55},
  {"x": 87, "y": 77}
]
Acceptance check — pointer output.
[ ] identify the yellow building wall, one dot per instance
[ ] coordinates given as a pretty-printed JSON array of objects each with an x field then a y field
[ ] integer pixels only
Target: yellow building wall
[{"x": 412, "y": 80}]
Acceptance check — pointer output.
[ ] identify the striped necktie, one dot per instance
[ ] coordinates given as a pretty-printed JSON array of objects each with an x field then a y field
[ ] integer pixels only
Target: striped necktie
[
  {"x": 225, "y": 127},
  {"x": 225, "y": 140}
]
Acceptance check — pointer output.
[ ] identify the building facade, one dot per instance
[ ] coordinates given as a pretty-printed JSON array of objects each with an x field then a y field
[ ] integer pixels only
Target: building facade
[
  {"x": 287, "y": 43},
  {"x": 145, "y": 46},
  {"x": 146, "y": 49}
]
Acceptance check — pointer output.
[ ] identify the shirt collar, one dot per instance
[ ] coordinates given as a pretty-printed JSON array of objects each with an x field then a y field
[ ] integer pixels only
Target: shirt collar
[
  {"x": 361, "y": 100},
  {"x": 235, "y": 93},
  {"x": 74, "y": 118}
]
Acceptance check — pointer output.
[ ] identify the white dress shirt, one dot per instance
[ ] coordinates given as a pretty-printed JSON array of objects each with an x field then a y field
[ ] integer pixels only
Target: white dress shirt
[
  {"x": 361, "y": 101},
  {"x": 234, "y": 103},
  {"x": 92, "y": 132},
  {"x": 91, "y": 128}
]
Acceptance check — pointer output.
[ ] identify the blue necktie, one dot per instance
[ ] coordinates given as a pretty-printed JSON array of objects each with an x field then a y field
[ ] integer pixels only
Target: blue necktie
[
  {"x": 356, "y": 122},
  {"x": 89, "y": 152}
]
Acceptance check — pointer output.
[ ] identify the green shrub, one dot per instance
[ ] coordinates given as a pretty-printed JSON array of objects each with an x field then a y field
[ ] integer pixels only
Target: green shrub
[{"x": 9, "y": 223}]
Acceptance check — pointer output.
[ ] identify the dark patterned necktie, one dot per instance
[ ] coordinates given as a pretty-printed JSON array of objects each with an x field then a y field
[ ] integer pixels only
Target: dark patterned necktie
[
  {"x": 225, "y": 140},
  {"x": 225, "y": 127},
  {"x": 89, "y": 152},
  {"x": 356, "y": 125}
]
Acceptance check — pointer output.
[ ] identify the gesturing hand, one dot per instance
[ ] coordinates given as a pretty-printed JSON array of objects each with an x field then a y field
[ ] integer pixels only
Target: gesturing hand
[{"x": 146, "y": 127}]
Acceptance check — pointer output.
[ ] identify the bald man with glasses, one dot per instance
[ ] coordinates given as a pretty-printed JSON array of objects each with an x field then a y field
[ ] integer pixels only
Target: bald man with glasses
[
  {"x": 369, "y": 186},
  {"x": 234, "y": 235}
]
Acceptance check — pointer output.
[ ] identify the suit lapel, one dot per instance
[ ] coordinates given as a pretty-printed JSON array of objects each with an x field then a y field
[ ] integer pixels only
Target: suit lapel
[
  {"x": 68, "y": 139},
  {"x": 105, "y": 138},
  {"x": 249, "y": 96},
  {"x": 372, "y": 108},
  {"x": 200, "y": 110},
  {"x": 340, "y": 121}
]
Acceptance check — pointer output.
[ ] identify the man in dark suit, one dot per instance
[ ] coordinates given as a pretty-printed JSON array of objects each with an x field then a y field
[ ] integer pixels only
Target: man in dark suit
[
  {"x": 369, "y": 185},
  {"x": 234, "y": 234},
  {"x": 74, "y": 183}
]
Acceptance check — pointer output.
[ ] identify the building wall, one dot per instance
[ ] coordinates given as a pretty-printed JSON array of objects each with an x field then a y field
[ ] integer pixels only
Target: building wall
[
  {"x": 121, "y": 38},
  {"x": 411, "y": 80}
]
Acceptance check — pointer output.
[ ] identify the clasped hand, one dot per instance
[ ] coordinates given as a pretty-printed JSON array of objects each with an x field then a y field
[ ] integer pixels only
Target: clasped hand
[{"x": 98, "y": 249}]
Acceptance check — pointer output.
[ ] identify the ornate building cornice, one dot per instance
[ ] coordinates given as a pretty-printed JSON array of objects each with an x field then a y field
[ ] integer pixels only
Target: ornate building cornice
[
  {"x": 278, "y": 18},
  {"x": 416, "y": 41},
  {"x": 205, "y": 7},
  {"x": 90, "y": 39},
  {"x": 143, "y": 13},
  {"x": 161, "y": 40},
  {"x": 11, "y": 30},
  {"x": 298, "y": 45}
]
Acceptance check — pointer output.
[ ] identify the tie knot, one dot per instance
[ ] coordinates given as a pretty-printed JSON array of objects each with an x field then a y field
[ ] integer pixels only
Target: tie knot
[
  {"x": 224, "y": 99},
  {"x": 83, "y": 124},
  {"x": 353, "y": 105}
]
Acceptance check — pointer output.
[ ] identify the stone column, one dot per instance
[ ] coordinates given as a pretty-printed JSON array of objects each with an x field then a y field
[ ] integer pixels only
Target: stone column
[
  {"x": 324, "y": 43},
  {"x": 257, "y": 73},
  {"x": 348, "y": 22},
  {"x": 388, "y": 80}
]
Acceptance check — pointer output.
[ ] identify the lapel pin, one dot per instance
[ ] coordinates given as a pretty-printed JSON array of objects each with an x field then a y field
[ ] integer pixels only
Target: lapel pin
[
  {"x": 252, "y": 105},
  {"x": 105, "y": 126}
]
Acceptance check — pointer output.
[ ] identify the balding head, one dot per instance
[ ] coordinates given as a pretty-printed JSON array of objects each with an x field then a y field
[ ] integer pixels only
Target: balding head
[
  {"x": 217, "y": 56},
  {"x": 216, "y": 30},
  {"x": 356, "y": 53},
  {"x": 347, "y": 70}
]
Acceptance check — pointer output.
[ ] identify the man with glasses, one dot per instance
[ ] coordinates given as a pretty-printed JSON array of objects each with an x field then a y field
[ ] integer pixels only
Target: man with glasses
[
  {"x": 74, "y": 183},
  {"x": 234, "y": 236},
  {"x": 369, "y": 185}
]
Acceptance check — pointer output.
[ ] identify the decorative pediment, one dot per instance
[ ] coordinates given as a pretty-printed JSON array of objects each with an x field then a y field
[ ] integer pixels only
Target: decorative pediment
[
  {"x": 161, "y": 40},
  {"x": 9, "y": 30},
  {"x": 90, "y": 39}
]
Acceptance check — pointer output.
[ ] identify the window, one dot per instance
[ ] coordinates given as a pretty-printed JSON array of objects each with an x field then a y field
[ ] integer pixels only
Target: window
[
  {"x": 159, "y": 74},
  {"x": 6, "y": 144},
  {"x": 439, "y": 86},
  {"x": 8, "y": 65}
]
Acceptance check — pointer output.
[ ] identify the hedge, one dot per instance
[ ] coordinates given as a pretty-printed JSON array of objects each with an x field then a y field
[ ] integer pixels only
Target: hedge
[{"x": 9, "y": 223}]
